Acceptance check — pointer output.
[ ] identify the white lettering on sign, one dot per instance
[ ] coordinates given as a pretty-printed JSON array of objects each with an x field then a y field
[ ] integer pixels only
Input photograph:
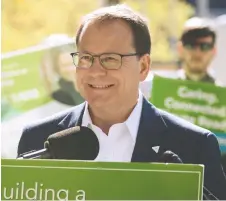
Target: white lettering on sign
[
  {"x": 171, "y": 103},
  {"x": 24, "y": 96},
  {"x": 14, "y": 73},
  {"x": 39, "y": 192},
  {"x": 197, "y": 94}
]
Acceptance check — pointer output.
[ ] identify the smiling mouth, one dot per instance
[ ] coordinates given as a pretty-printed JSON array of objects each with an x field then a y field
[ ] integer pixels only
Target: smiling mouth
[{"x": 100, "y": 86}]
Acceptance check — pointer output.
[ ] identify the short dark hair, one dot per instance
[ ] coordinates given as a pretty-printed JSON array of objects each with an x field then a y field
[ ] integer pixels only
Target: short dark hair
[
  {"x": 191, "y": 35},
  {"x": 138, "y": 25}
]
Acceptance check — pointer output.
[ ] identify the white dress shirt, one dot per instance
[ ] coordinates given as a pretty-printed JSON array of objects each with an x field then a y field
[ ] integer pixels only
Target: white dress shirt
[{"x": 119, "y": 144}]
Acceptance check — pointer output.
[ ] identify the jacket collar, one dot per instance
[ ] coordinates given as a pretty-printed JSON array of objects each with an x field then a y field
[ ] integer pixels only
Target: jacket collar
[
  {"x": 74, "y": 117},
  {"x": 150, "y": 132}
]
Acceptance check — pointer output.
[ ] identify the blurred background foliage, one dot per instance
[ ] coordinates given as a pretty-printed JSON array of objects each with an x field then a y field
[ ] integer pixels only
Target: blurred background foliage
[{"x": 26, "y": 23}]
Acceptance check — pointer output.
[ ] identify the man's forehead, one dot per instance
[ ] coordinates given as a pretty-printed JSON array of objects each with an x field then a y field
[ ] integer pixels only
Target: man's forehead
[
  {"x": 197, "y": 40},
  {"x": 107, "y": 25},
  {"x": 204, "y": 39},
  {"x": 113, "y": 33}
]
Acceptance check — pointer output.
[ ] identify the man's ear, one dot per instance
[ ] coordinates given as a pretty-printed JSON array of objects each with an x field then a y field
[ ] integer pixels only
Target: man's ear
[
  {"x": 214, "y": 50},
  {"x": 180, "y": 48},
  {"x": 145, "y": 65}
]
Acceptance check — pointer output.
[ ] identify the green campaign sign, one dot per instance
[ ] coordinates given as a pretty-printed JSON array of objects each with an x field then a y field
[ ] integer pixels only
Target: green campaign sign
[
  {"x": 83, "y": 180},
  {"x": 22, "y": 86},
  {"x": 201, "y": 103},
  {"x": 33, "y": 77},
  {"x": 36, "y": 82}
]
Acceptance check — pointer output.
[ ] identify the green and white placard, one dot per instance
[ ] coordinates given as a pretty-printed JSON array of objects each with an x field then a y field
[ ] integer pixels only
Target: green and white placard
[
  {"x": 80, "y": 180},
  {"x": 201, "y": 103}
]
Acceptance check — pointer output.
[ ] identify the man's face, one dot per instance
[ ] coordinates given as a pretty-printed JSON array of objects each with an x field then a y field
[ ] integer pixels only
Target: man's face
[
  {"x": 197, "y": 58},
  {"x": 111, "y": 89},
  {"x": 65, "y": 66}
]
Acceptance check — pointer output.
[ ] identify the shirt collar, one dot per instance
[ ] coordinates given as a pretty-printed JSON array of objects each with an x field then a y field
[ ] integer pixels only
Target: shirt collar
[
  {"x": 132, "y": 122},
  {"x": 181, "y": 74}
]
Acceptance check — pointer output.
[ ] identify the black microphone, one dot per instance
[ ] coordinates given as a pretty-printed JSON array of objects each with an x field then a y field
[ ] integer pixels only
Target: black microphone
[
  {"x": 76, "y": 143},
  {"x": 171, "y": 157}
]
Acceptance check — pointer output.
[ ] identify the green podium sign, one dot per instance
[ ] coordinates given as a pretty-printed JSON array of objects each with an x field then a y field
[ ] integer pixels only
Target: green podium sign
[{"x": 84, "y": 180}]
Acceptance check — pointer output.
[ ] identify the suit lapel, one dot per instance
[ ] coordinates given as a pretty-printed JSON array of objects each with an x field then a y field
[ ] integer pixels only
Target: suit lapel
[
  {"x": 150, "y": 134},
  {"x": 74, "y": 118}
]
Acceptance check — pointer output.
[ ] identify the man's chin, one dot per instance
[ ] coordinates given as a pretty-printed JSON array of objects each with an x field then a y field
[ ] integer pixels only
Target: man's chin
[
  {"x": 197, "y": 69},
  {"x": 97, "y": 102}
]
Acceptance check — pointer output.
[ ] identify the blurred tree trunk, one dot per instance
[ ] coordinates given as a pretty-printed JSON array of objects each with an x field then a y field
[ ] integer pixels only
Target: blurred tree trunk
[{"x": 110, "y": 2}]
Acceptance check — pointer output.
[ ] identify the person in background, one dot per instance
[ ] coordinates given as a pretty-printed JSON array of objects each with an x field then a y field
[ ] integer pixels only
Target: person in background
[
  {"x": 63, "y": 66},
  {"x": 58, "y": 73},
  {"x": 113, "y": 56},
  {"x": 196, "y": 50}
]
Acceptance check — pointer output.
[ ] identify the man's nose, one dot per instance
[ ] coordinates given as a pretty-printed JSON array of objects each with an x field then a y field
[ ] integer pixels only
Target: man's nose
[
  {"x": 197, "y": 50},
  {"x": 97, "y": 69}
]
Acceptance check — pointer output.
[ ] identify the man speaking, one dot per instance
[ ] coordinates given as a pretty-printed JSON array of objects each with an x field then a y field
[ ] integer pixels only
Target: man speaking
[{"x": 112, "y": 58}]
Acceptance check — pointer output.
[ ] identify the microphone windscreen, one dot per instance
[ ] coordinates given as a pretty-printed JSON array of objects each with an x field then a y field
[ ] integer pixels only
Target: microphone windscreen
[
  {"x": 170, "y": 157},
  {"x": 76, "y": 143}
]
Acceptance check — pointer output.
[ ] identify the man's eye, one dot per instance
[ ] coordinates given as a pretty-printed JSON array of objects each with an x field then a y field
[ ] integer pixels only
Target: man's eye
[
  {"x": 87, "y": 58},
  {"x": 109, "y": 59}
]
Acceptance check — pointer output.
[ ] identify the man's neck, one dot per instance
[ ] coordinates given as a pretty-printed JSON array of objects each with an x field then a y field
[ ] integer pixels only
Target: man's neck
[
  {"x": 194, "y": 76},
  {"x": 104, "y": 118}
]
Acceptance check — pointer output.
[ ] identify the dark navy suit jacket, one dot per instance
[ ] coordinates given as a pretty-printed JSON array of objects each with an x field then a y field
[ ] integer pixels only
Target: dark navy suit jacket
[{"x": 193, "y": 144}]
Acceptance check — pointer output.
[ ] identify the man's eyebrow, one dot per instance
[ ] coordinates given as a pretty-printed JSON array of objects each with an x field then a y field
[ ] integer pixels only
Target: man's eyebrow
[
  {"x": 87, "y": 52},
  {"x": 92, "y": 53}
]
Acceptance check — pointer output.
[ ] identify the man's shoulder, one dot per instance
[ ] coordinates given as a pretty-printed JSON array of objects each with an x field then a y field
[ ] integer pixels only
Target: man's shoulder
[
  {"x": 180, "y": 126},
  {"x": 56, "y": 118},
  {"x": 35, "y": 134},
  {"x": 174, "y": 125}
]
